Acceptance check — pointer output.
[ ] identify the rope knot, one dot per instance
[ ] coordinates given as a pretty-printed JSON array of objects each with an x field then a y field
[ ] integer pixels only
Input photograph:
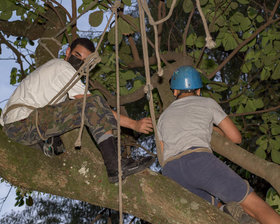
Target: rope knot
[
  {"x": 148, "y": 90},
  {"x": 116, "y": 5},
  {"x": 160, "y": 72},
  {"x": 209, "y": 42}
]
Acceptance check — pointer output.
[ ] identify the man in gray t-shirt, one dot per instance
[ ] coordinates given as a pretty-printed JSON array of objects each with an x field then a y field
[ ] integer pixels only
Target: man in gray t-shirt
[{"x": 184, "y": 131}]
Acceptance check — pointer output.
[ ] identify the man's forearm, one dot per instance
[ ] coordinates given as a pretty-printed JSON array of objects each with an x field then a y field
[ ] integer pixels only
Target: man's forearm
[{"x": 125, "y": 121}]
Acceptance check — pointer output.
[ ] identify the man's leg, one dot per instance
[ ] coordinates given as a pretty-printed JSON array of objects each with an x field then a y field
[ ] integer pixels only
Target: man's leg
[{"x": 260, "y": 210}]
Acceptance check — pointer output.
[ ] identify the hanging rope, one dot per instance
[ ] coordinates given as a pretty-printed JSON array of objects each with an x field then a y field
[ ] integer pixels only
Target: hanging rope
[
  {"x": 144, "y": 5},
  {"x": 114, "y": 9},
  {"x": 209, "y": 42},
  {"x": 148, "y": 88}
]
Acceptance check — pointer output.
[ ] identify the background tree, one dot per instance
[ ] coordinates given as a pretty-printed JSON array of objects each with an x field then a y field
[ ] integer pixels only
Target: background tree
[{"x": 242, "y": 73}]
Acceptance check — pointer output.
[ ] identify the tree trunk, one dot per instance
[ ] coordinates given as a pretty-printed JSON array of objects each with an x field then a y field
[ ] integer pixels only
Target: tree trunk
[{"x": 81, "y": 175}]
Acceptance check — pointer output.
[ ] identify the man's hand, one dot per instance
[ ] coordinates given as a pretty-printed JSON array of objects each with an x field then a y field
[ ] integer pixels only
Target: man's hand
[{"x": 144, "y": 125}]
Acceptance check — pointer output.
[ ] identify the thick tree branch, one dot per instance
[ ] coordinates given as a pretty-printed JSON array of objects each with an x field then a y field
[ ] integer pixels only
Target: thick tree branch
[{"x": 81, "y": 175}]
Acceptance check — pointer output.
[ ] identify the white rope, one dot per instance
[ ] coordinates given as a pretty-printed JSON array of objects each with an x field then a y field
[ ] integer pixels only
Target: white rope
[
  {"x": 148, "y": 86},
  {"x": 209, "y": 42},
  {"x": 114, "y": 9}
]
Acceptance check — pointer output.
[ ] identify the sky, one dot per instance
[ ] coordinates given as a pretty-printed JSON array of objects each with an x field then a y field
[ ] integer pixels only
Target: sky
[{"x": 7, "y": 62}]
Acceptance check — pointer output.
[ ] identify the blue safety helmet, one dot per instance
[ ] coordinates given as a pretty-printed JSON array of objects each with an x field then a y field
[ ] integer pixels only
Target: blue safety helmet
[{"x": 186, "y": 78}]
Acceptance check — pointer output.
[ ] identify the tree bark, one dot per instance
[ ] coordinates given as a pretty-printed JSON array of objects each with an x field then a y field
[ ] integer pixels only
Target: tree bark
[
  {"x": 81, "y": 175},
  {"x": 260, "y": 167}
]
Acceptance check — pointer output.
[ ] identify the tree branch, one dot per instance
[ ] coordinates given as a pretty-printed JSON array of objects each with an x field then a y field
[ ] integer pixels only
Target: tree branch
[
  {"x": 186, "y": 30},
  {"x": 259, "y": 30},
  {"x": 260, "y": 167},
  {"x": 256, "y": 112},
  {"x": 81, "y": 175}
]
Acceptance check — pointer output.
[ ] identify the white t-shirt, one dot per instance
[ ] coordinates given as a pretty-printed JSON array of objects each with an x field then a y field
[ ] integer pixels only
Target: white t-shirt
[
  {"x": 188, "y": 122},
  {"x": 39, "y": 87}
]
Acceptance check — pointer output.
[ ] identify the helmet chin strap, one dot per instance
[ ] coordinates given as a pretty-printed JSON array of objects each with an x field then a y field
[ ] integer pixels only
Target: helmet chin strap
[{"x": 194, "y": 91}]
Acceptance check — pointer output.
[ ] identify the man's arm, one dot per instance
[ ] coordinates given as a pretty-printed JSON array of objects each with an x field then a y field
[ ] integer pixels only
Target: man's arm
[
  {"x": 143, "y": 126},
  {"x": 228, "y": 129},
  {"x": 80, "y": 96}
]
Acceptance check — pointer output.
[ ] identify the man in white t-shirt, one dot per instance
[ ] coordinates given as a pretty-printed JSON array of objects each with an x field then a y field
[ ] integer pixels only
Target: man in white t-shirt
[
  {"x": 184, "y": 130},
  {"x": 32, "y": 96}
]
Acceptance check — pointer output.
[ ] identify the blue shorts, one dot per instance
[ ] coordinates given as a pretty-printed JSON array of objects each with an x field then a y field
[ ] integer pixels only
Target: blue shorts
[{"x": 205, "y": 175}]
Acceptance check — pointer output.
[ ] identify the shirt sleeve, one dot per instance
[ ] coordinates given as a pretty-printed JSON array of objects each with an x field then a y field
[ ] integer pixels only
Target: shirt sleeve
[
  {"x": 158, "y": 130},
  {"x": 218, "y": 112}
]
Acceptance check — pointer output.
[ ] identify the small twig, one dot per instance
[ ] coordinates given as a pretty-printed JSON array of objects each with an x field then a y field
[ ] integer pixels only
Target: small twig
[{"x": 255, "y": 112}]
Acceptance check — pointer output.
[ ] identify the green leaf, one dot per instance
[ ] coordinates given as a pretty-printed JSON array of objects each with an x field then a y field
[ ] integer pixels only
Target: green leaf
[
  {"x": 273, "y": 199},
  {"x": 169, "y": 3},
  {"x": 276, "y": 73},
  {"x": 274, "y": 144},
  {"x": 246, "y": 68},
  {"x": 264, "y": 128},
  {"x": 229, "y": 42},
  {"x": 111, "y": 36},
  {"x": 29, "y": 201},
  {"x": 250, "y": 106},
  {"x": 245, "y": 24},
  {"x": 13, "y": 76},
  {"x": 269, "y": 60},
  {"x": 127, "y": 75},
  {"x": 258, "y": 103},
  {"x": 234, "y": 5},
  {"x": 275, "y": 129},
  {"x": 203, "y": 2},
  {"x": 6, "y": 15},
  {"x": 127, "y": 2},
  {"x": 95, "y": 18},
  {"x": 265, "y": 74},
  {"x": 124, "y": 27},
  {"x": 262, "y": 141},
  {"x": 243, "y": 2},
  {"x": 191, "y": 39},
  {"x": 200, "y": 42},
  {"x": 275, "y": 156},
  {"x": 260, "y": 19},
  {"x": 187, "y": 6},
  {"x": 240, "y": 109},
  {"x": 221, "y": 21},
  {"x": 252, "y": 12},
  {"x": 134, "y": 23},
  {"x": 260, "y": 153}
]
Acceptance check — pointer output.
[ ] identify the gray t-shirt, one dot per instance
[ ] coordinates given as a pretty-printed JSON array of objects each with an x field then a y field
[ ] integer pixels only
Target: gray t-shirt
[{"x": 188, "y": 122}]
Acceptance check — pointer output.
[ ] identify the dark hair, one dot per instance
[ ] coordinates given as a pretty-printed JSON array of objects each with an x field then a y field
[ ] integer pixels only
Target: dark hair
[{"x": 84, "y": 42}]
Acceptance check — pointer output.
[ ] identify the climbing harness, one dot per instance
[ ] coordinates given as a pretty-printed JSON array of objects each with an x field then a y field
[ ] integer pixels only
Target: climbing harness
[{"x": 48, "y": 148}]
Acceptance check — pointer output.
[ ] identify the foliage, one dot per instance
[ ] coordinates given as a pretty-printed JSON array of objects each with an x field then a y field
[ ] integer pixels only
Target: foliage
[
  {"x": 273, "y": 199},
  {"x": 242, "y": 72}
]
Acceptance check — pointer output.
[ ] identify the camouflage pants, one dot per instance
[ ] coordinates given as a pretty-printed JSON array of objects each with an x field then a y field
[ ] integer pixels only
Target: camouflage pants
[{"x": 54, "y": 120}]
